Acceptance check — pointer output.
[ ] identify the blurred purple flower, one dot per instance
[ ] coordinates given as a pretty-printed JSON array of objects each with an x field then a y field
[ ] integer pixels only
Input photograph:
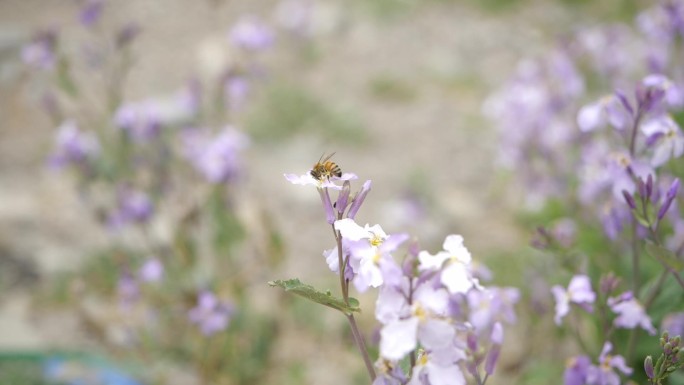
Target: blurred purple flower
[
  {"x": 91, "y": 12},
  {"x": 576, "y": 370},
  {"x": 133, "y": 206},
  {"x": 73, "y": 146},
  {"x": 151, "y": 271},
  {"x": 630, "y": 313},
  {"x": 579, "y": 292},
  {"x": 492, "y": 305},
  {"x": 210, "y": 314},
  {"x": 40, "y": 53},
  {"x": 251, "y": 34},
  {"x": 139, "y": 120},
  {"x": 664, "y": 134},
  {"x": 236, "y": 89},
  {"x": 127, "y": 290},
  {"x": 217, "y": 158},
  {"x": 608, "y": 109},
  {"x": 604, "y": 373},
  {"x": 453, "y": 263},
  {"x": 673, "y": 323}
]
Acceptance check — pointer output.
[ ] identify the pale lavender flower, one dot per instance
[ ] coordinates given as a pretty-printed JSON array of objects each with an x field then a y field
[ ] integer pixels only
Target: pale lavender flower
[
  {"x": 236, "y": 89},
  {"x": 673, "y": 323},
  {"x": 210, "y": 314},
  {"x": 422, "y": 321},
  {"x": 454, "y": 263},
  {"x": 608, "y": 109},
  {"x": 73, "y": 146},
  {"x": 433, "y": 369},
  {"x": 656, "y": 92},
  {"x": 576, "y": 369},
  {"x": 491, "y": 305},
  {"x": 389, "y": 373},
  {"x": 217, "y": 158},
  {"x": 127, "y": 290},
  {"x": 91, "y": 12},
  {"x": 579, "y": 292},
  {"x": 370, "y": 249},
  {"x": 40, "y": 53},
  {"x": 251, "y": 34},
  {"x": 604, "y": 373},
  {"x": 307, "y": 179},
  {"x": 630, "y": 313},
  {"x": 152, "y": 270},
  {"x": 141, "y": 121},
  {"x": 494, "y": 351},
  {"x": 666, "y": 137},
  {"x": 358, "y": 199},
  {"x": 133, "y": 206}
]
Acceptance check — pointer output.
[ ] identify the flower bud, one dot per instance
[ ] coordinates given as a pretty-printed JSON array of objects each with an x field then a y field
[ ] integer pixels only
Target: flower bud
[
  {"x": 343, "y": 198},
  {"x": 492, "y": 358},
  {"x": 629, "y": 199},
  {"x": 676, "y": 341},
  {"x": 358, "y": 199},
  {"x": 667, "y": 349},
  {"x": 649, "y": 185},
  {"x": 648, "y": 366},
  {"x": 327, "y": 205}
]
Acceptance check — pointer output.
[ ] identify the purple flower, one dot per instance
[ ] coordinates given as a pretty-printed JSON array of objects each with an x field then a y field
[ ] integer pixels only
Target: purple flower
[
  {"x": 40, "y": 52},
  {"x": 91, "y": 12},
  {"x": 307, "y": 179},
  {"x": 251, "y": 34},
  {"x": 370, "y": 249},
  {"x": 210, "y": 314},
  {"x": 674, "y": 324},
  {"x": 151, "y": 271},
  {"x": 666, "y": 137},
  {"x": 73, "y": 146},
  {"x": 579, "y": 292},
  {"x": 236, "y": 89},
  {"x": 435, "y": 368},
  {"x": 140, "y": 121},
  {"x": 576, "y": 370},
  {"x": 134, "y": 206},
  {"x": 604, "y": 373},
  {"x": 454, "y": 263},
  {"x": 491, "y": 305},
  {"x": 630, "y": 313},
  {"x": 609, "y": 109},
  {"x": 127, "y": 290},
  {"x": 217, "y": 158}
]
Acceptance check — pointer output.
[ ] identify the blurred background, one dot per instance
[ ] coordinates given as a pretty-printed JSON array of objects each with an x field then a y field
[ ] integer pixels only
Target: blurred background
[{"x": 394, "y": 87}]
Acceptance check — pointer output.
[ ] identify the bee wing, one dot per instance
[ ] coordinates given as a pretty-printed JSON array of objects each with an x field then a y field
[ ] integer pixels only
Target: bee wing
[{"x": 326, "y": 158}]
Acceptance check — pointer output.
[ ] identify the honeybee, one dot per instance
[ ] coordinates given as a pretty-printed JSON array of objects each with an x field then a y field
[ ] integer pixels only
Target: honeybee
[{"x": 325, "y": 169}]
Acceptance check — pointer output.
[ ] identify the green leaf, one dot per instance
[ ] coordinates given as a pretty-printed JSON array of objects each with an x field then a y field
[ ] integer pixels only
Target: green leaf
[
  {"x": 665, "y": 256},
  {"x": 311, "y": 293}
]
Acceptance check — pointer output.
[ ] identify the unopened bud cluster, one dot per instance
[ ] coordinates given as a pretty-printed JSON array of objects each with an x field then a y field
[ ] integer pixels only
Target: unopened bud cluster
[{"x": 670, "y": 360}]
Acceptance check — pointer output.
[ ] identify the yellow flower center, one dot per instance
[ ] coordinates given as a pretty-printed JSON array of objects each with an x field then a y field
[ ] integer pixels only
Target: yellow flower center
[{"x": 376, "y": 240}]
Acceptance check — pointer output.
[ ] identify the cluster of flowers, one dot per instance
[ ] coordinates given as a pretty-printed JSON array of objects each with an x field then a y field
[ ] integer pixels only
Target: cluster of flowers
[
  {"x": 611, "y": 156},
  {"x": 432, "y": 308}
]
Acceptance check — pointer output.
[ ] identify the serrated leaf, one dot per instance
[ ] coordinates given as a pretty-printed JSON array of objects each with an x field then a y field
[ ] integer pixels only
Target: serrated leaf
[
  {"x": 311, "y": 293},
  {"x": 665, "y": 256}
]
